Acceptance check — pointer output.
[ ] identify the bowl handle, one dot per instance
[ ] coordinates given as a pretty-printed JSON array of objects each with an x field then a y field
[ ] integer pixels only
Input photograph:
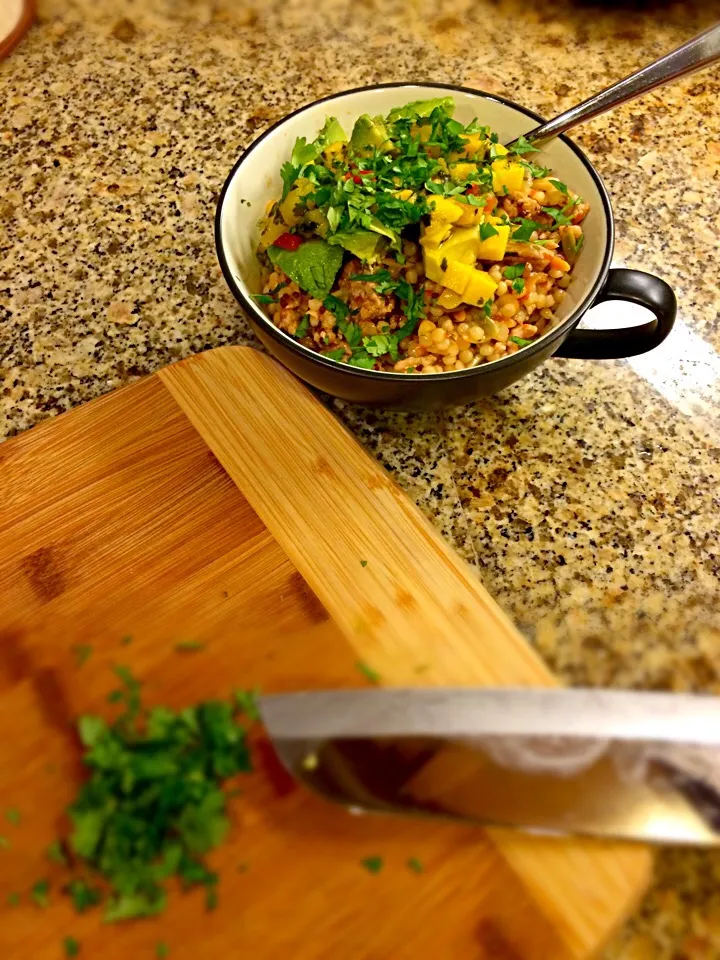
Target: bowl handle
[{"x": 636, "y": 287}]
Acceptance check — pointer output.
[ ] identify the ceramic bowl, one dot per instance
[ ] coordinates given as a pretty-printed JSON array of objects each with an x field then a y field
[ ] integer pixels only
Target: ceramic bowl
[{"x": 255, "y": 180}]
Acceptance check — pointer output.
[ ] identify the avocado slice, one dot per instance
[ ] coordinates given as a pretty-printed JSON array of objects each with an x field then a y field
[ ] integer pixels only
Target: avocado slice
[{"x": 369, "y": 133}]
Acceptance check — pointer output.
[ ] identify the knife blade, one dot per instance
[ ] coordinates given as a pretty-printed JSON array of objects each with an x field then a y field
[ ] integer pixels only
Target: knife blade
[{"x": 606, "y": 763}]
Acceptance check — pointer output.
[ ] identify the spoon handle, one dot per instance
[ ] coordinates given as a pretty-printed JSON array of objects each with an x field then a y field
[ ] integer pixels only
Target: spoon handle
[{"x": 693, "y": 55}]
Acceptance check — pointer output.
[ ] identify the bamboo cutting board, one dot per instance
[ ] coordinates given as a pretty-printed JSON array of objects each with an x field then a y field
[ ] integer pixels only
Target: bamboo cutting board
[{"x": 218, "y": 501}]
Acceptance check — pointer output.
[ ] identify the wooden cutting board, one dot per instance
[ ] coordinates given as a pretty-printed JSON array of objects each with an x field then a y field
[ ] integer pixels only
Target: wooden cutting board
[{"x": 218, "y": 501}]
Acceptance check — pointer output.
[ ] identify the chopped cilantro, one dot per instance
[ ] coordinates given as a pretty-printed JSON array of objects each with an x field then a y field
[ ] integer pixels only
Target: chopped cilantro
[
  {"x": 56, "y": 854},
  {"x": 153, "y": 804},
  {"x": 72, "y": 947},
  {"x": 515, "y": 271},
  {"x": 559, "y": 185},
  {"x": 338, "y": 354},
  {"x": 363, "y": 563},
  {"x": 372, "y": 864},
  {"x": 13, "y": 816},
  {"x": 40, "y": 893},
  {"x": 372, "y": 675},
  {"x": 415, "y": 865},
  {"x": 302, "y": 328},
  {"x": 361, "y": 358},
  {"x": 487, "y": 230},
  {"x": 162, "y": 951},
  {"x": 263, "y": 298},
  {"x": 560, "y": 217},
  {"x": 487, "y": 308},
  {"x": 526, "y": 229},
  {"x": 521, "y": 146},
  {"x": 520, "y": 342},
  {"x": 83, "y": 895},
  {"x": 289, "y": 174},
  {"x": 82, "y": 652},
  {"x": 189, "y": 646},
  {"x": 518, "y": 285},
  {"x": 246, "y": 702}
]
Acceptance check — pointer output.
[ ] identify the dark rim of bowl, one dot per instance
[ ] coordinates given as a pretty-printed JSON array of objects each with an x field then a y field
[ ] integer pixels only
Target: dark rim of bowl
[{"x": 305, "y": 352}]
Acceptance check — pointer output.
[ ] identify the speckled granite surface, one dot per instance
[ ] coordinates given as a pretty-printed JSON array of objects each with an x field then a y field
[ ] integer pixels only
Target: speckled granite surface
[{"x": 587, "y": 495}]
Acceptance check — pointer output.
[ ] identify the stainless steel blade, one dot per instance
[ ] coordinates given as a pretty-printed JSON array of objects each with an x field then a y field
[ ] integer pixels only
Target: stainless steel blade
[{"x": 642, "y": 766}]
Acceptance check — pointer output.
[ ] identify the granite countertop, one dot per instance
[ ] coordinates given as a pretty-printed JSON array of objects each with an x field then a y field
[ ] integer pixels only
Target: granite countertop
[{"x": 587, "y": 495}]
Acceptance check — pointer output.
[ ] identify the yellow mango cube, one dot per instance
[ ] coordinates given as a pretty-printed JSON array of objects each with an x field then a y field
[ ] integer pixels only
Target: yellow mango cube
[
  {"x": 493, "y": 248},
  {"x": 479, "y": 288},
  {"x": 505, "y": 173},
  {"x": 461, "y": 242},
  {"x": 461, "y": 171},
  {"x": 434, "y": 234},
  {"x": 449, "y": 300},
  {"x": 470, "y": 216},
  {"x": 445, "y": 208}
]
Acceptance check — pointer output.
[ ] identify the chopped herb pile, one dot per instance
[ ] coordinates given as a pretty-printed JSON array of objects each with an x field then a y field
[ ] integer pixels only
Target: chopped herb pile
[{"x": 153, "y": 805}]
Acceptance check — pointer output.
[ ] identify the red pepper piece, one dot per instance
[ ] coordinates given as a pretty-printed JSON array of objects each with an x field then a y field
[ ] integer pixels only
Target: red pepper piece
[{"x": 288, "y": 241}]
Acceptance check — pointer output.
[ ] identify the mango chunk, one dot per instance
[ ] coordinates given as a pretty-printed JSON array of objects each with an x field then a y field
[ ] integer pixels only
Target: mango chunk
[
  {"x": 470, "y": 216},
  {"x": 288, "y": 207},
  {"x": 449, "y": 300},
  {"x": 474, "y": 286},
  {"x": 463, "y": 241},
  {"x": 445, "y": 208},
  {"x": 480, "y": 287},
  {"x": 461, "y": 171},
  {"x": 505, "y": 173},
  {"x": 494, "y": 247},
  {"x": 434, "y": 234}
]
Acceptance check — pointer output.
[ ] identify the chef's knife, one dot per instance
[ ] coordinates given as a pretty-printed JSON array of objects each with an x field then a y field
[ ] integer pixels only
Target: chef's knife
[{"x": 642, "y": 766}]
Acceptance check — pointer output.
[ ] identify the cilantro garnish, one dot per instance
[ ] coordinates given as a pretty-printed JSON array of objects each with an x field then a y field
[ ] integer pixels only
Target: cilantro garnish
[
  {"x": 363, "y": 563},
  {"x": 487, "y": 230},
  {"x": 372, "y": 864},
  {"x": 189, "y": 646},
  {"x": 367, "y": 671},
  {"x": 302, "y": 328},
  {"x": 72, "y": 947},
  {"x": 526, "y": 228},
  {"x": 334, "y": 354},
  {"x": 516, "y": 271},
  {"x": 559, "y": 185},
  {"x": 83, "y": 895},
  {"x": 521, "y": 146},
  {"x": 415, "y": 865},
  {"x": 56, "y": 854},
  {"x": 13, "y": 816},
  {"x": 487, "y": 308},
  {"x": 518, "y": 285},
  {"x": 520, "y": 342},
  {"x": 82, "y": 652},
  {"x": 263, "y": 298},
  {"x": 40, "y": 893},
  {"x": 560, "y": 216},
  {"x": 162, "y": 951},
  {"x": 246, "y": 701}
]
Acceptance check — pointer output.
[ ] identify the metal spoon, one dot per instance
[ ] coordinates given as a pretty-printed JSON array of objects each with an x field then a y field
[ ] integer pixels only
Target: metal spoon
[{"x": 697, "y": 53}]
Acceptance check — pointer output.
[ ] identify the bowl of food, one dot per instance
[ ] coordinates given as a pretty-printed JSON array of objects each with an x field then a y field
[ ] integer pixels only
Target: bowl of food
[{"x": 388, "y": 249}]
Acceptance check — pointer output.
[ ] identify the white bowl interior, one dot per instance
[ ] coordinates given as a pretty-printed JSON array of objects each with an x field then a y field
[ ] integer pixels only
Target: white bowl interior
[{"x": 256, "y": 181}]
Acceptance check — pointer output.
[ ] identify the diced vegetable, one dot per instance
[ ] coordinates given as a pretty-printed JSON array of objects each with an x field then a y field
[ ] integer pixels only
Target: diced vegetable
[{"x": 507, "y": 175}]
